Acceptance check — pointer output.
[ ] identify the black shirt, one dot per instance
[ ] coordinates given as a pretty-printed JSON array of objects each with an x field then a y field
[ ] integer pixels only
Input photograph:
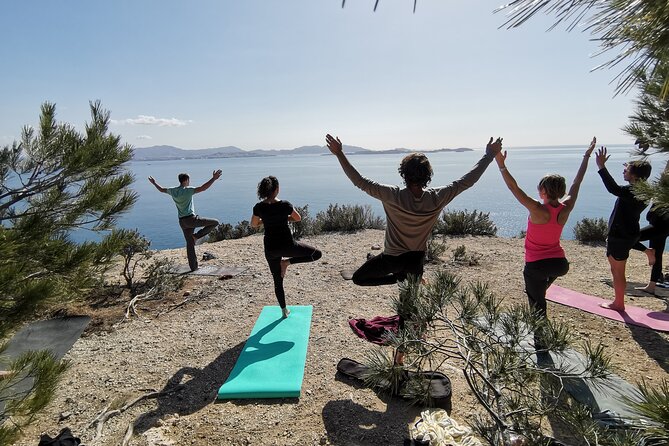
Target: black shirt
[
  {"x": 275, "y": 219},
  {"x": 624, "y": 219}
]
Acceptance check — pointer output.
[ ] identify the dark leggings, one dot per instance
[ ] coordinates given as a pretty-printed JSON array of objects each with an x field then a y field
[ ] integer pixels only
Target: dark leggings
[
  {"x": 539, "y": 276},
  {"x": 385, "y": 269},
  {"x": 657, "y": 237},
  {"x": 296, "y": 253}
]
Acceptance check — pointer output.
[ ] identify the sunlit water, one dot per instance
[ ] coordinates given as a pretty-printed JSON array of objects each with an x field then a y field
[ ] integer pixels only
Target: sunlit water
[{"x": 317, "y": 181}]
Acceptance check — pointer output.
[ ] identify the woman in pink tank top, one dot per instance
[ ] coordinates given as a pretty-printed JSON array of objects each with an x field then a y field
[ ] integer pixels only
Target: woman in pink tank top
[{"x": 544, "y": 257}]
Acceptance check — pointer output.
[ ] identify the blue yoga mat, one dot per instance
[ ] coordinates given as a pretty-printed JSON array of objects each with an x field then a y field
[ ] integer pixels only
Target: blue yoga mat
[{"x": 271, "y": 364}]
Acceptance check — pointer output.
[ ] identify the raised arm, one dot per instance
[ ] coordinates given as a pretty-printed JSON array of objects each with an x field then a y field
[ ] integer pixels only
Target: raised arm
[
  {"x": 610, "y": 184},
  {"x": 578, "y": 179},
  {"x": 214, "y": 176},
  {"x": 372, "y": 188},
  {"x": 158, "y": 186},
  {"x": 531, "y": 204}
]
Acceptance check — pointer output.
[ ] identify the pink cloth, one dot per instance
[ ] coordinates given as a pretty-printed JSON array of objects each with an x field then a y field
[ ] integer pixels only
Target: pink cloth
[
  {"x": 543, "y": 241},
  {"x": 375, "y": 330}
]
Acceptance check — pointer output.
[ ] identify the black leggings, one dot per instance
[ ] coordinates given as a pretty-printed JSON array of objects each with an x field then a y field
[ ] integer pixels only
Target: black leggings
[
  {"x": 385, "y": 269},
  {"x": 296, "y": 253},
  {"x": 539, "y": 276},
  {"x": 657, "y": 237}
]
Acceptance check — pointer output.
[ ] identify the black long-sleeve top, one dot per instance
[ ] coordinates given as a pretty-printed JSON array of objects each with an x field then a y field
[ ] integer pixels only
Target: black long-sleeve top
[{"x": 624, "y": 219}]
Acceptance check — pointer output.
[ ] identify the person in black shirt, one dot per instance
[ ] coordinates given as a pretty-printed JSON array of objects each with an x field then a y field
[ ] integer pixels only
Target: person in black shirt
[
  {"x": 656, "y": 233},
  {"x": 623, "y": 222},
  {"x": 274, "y": 215}
]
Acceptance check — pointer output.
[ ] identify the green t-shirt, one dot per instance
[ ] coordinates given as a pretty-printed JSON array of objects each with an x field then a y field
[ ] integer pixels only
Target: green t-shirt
[{"x": 183, "y": 198}]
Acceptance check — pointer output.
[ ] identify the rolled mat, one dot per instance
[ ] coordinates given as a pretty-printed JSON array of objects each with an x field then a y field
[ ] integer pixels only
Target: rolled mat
[{"x": 271, "y": 365}]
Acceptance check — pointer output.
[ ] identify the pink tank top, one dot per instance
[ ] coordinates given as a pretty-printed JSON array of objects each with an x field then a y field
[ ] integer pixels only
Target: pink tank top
[{"x": 543, "y": 241}]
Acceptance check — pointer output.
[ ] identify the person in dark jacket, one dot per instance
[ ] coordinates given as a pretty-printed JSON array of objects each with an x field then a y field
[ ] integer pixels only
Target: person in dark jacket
[{"x": 623, "y": 231}]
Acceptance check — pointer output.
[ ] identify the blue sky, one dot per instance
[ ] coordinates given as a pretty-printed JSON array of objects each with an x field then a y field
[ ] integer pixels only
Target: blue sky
[{"x": 280, "y": 74}]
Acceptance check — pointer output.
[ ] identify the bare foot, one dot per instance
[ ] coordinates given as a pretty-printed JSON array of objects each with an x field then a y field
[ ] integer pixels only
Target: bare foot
[
  {"x": 284, "y": 267},
  {"x": 610, "y": 306},
  {"x": 5, "y": 374},
  {"x": 650, "y": 289},
  {"x": 285, "y": 312},
  {"x": 650, "y": 252}
]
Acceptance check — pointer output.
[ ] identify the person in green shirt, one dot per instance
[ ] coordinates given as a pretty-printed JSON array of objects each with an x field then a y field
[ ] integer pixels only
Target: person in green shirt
[{"x": 188, "y": 219}]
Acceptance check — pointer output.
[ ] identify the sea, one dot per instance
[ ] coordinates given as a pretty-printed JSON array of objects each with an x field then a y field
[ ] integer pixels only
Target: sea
[{"x": 317, "y": 181}]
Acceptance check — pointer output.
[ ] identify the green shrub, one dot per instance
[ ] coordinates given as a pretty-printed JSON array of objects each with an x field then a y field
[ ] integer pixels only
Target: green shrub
[
  {"x": 591, "y": 231},
  {"x": 225, "y": 231},
  {"x": 347, "y": 218},
  {"x": 462, "y": 257},
  {"x": 435, "y": 248},
  {"x": 465, "y": 223}
]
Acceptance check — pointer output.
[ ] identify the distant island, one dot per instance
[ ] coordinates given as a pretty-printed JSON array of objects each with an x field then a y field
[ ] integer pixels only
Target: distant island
[{"x": 164, "y": 153}]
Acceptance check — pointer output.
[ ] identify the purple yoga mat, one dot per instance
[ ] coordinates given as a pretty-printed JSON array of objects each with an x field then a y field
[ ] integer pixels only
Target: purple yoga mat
[{"x": 656, "y": 320}]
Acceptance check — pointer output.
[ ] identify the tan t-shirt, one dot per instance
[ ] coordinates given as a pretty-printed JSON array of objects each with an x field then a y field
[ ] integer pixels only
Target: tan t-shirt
[{"x": 409, "y": 220}]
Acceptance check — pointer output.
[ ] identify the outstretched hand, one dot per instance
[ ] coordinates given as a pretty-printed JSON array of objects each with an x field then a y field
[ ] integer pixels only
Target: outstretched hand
[
  {"x": 601, "y": 157},
  {"x": 493, "y": 148},
  {"x": 217, "y": 174},
  {"x": 334, "y": 145},
  {"x": 593, "y": 143},
  {"x": 152, "y": 181},
  {"x": 501, "y": 158}
]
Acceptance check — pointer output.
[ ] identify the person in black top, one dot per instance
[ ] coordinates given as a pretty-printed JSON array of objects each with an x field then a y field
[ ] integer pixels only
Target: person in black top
[
  {"x": 623, "y": 222},
  {"x": 656, "y": 233},
  {"x": 274, "y": 215}
]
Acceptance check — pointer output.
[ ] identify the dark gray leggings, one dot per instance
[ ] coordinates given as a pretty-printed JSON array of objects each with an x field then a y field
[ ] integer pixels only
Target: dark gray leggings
[
  {"x": 539, "y": 276},
  {"x": 296, "y": 253},
  {"x": 657, "y": 237},
  {"x": 385, "y": 269},
  {"x": 188, "y": 226}
]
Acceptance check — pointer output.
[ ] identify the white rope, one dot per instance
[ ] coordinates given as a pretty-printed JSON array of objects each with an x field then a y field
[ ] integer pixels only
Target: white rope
[{"x": 441, "y": 430}]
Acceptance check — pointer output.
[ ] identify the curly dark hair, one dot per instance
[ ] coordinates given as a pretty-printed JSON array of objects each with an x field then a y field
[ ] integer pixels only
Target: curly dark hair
[
  {"x": 415, "y": 169},
  {"x": 267, "y": 186}
]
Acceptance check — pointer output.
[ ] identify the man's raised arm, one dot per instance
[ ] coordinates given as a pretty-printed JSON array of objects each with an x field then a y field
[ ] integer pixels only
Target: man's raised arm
[
  {"x": 214, "y": 176},
  {"x": 158, "y": 186}
]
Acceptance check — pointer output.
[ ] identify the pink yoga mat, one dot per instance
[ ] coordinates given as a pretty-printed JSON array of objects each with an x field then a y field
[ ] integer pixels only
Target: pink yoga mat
[{"x": 656, "y": 320}]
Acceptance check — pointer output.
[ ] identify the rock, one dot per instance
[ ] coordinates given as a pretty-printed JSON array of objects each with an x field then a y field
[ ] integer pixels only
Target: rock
[{"x": 64, "y": 416}]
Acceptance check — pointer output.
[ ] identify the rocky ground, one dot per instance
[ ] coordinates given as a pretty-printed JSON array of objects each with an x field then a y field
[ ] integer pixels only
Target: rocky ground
[{"x": 194, "y": 337}]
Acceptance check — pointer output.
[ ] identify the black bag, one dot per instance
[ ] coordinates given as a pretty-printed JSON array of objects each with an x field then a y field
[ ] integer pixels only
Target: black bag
[{"x": 64, "y": 438}]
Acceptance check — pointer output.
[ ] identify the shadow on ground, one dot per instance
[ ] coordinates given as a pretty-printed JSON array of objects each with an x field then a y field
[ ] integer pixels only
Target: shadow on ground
[
  {"x": 190, "y": 389},
  {"x": 349, "y": 423},
  {"x": 655, "y": 344}
]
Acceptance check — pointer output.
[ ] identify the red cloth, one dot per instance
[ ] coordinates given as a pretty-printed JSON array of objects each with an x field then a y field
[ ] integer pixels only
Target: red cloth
[{"x": 376, "y": 329}]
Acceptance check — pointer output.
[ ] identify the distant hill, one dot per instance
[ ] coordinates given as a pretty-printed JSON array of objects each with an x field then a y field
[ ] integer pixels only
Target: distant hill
[{"x": 157, "y": 153}]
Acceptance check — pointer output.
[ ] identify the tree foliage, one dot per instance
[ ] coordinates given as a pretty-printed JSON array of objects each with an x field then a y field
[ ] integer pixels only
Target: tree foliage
[
  {"x": 53, "y": 181},
  {"x": 637, "y": 30},
  {"x": 518, "y": 388}
]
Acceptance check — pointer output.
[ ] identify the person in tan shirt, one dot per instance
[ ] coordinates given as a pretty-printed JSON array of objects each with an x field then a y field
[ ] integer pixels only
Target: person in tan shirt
[{"x": 411, "y": 212}]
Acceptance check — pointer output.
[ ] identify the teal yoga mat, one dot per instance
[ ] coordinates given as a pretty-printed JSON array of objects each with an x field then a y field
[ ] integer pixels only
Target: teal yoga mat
[{"x": 271, "y": 365}]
